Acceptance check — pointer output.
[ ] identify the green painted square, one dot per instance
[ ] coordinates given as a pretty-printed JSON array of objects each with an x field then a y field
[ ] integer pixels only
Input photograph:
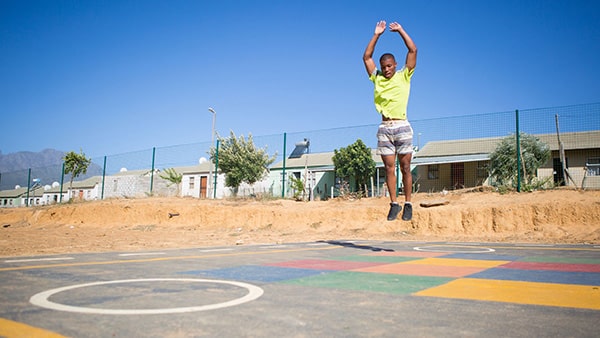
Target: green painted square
[
  {"x": 377, "y": 259},
  {"x": 376, "y": 282},
  {"x": 570, "y": 260}
]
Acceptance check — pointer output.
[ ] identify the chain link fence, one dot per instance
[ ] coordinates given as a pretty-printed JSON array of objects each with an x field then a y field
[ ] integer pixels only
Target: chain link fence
[{"x": 450, "y": 153}]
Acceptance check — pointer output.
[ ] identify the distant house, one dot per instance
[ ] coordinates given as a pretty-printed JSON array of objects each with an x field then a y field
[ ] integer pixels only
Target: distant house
[
  {"x": 12, "y": 198},
  {"x": 318, "y": 171},
  {"x": 198, "y": 181},
  {"x": 88, "y": 189},
  {"x": 464, "y": 163},
  {"x": 21, "y": 197}
]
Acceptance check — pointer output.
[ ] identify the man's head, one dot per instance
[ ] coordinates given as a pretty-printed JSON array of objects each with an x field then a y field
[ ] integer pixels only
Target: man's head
[{"x": 388, "y": 65}]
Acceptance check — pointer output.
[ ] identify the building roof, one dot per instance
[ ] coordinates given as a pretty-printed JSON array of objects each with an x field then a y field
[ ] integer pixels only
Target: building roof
[
  {"x": 88, "y": 183},
  {"x": 317, "y": 161},
  {"x": 449, "y": 159},
  {"x": 571, "y": 141},
  {"x": 36, "y": 191},
  {"x": 195, "y": 169},
  {"x": 13, "y": 193}
]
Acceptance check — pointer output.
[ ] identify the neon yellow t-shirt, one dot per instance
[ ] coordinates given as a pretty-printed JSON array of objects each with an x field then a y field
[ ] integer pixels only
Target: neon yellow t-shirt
[{"x": 391, "y": 95}]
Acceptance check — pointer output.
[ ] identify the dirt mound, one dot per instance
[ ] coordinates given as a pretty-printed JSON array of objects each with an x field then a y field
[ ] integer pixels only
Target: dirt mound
[{"x": 557, "y": 216}]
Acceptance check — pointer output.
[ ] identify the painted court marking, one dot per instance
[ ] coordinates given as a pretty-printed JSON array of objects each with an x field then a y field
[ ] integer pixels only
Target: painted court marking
[
  {"x": 141, "y": 254},
  {"x": 216, "y": 250},
  {"x": 549, "y": 294},
  {"x": 41, "y": 299},
  {"x": 38, "y": 260},
  {"x": 454, "y": 249},
  {"x": 12, "y": 329}
]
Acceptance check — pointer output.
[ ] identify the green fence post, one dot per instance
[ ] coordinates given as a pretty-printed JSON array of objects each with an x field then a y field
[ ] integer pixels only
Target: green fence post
[
  {"x": 62, "y": 180},
  {"x": 216, "y": 168},
  {"x": 518, "y": 152},
  {"x": 152, "y": 174},
  {"x": 283, "y": 171},
  {"x": 103, "y": 177},
  {"x": 28, "y": 186}
]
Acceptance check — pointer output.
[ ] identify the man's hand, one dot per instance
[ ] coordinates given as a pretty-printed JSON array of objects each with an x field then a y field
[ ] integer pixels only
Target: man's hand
[
  {"x": 380, "y": 28},
  {"x": 395, "y": 27}
]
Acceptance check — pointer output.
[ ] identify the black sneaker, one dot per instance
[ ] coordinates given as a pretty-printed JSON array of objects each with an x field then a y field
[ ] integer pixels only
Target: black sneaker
[
  {"x": 394, "y": 211},
  {"x": 407, "y": 214}
]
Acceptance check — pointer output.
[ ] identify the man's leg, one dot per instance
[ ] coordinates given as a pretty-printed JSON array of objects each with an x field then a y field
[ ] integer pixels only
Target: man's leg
[
  {"x": 404, "y": 160},
  {"x": 389, "y": 161}
]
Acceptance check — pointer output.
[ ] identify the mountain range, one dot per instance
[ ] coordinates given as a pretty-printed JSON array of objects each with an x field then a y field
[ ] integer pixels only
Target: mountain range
[{"x": 46, "y": 168}]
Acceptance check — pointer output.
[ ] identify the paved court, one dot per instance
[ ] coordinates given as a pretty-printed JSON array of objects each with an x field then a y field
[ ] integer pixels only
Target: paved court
[{"x": 320, "y": 289}]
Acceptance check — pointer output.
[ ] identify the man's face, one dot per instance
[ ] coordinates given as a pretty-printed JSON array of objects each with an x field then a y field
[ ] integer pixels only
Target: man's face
[{"x": 388, "y": 67}]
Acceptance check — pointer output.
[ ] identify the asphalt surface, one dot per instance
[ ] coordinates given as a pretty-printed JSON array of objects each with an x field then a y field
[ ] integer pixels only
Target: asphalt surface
[{"x": 320, "y": 289}]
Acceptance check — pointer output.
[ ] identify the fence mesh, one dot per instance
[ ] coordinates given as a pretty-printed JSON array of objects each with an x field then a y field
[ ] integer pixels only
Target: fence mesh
[{"x": 450, "y": 153}]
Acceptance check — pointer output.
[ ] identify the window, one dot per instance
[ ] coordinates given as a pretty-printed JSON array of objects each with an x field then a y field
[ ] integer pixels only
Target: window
[
  {"x": 593, "y": 166},
  {"x": 433, "y": 171},
  {"x": 192, "y": 183}
]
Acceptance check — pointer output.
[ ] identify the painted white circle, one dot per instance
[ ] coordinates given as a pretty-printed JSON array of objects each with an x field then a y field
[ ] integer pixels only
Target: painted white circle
[
  {"x": 459, "y": 249},
  {"x": 41, "y": 299}
]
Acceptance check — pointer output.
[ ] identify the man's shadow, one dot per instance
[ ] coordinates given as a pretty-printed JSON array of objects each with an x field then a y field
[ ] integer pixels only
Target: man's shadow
[{"x": 354, "y": 246}]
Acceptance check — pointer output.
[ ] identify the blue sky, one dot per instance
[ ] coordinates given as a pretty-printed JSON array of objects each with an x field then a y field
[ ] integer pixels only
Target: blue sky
[{"x": 110, "y": 77}]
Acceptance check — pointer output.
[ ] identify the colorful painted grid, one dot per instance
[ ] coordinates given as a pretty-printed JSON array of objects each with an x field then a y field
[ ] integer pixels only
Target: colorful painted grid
[{"x": 543, "y": 281}]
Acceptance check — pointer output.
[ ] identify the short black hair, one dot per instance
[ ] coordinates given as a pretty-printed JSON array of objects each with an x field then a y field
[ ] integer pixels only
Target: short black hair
[{"x": 387, "y": 56}]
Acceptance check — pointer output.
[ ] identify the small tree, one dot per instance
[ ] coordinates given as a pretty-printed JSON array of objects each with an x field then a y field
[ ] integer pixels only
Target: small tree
[
  {"x": 298, "y": 185},
  {"x": 503, "y": 161},
  {"x": 241, "y": 161},
  {"x": 76, "y": 164},
  {"x": 354, "y": 161},
  {"x": 173, "y": 177}
]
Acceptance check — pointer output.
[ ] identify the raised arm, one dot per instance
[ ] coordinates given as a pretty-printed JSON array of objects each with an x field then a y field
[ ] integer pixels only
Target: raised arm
[
  {"x": 411, "y": 56},
  {"x": 368, "y": 55}
]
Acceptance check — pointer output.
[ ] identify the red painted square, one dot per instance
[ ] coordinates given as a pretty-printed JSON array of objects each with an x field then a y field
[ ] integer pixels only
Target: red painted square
[{"x": 567, "y": 267}]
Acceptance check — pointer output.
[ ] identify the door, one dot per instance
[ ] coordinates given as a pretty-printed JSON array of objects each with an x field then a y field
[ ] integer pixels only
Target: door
[
  {"x": 457, "y": 175},
  {"x": 203, "y": 186},
  {"x": 559, "y": 175}
]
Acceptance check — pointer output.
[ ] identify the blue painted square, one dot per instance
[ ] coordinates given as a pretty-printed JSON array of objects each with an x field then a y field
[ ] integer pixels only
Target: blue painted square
[
  {"x": 483, "y": 257},
  {"x": 257, "y": 273},
  {"x": 540, "y": 276}
]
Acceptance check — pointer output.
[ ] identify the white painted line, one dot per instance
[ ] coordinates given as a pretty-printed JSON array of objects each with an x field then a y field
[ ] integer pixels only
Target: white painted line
[
  {"x": 534, "y": 245},
  {"x": 467, "y": 243},
  {"x": 215, "y": 250},
  {"x": 41, "y": 299},
  {"x": 317, "y": 244},
  {"x": 142, "y": 254},
  {"x": 38, "y": 260},
  {"x": 453, "y": 249},
  {"x": 274, "y": 246}
]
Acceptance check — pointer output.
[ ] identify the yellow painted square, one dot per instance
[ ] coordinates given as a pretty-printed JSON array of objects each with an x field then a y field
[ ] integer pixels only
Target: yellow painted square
[{"x": 549, "y": 294}]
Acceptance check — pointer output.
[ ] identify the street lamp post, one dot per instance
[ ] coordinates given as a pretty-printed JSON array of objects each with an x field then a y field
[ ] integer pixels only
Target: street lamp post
[{"x": 212, "y": 142}]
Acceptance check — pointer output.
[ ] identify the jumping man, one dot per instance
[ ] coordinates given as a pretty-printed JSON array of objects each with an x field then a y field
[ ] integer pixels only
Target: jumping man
[{"x": 394, "y": 136}]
